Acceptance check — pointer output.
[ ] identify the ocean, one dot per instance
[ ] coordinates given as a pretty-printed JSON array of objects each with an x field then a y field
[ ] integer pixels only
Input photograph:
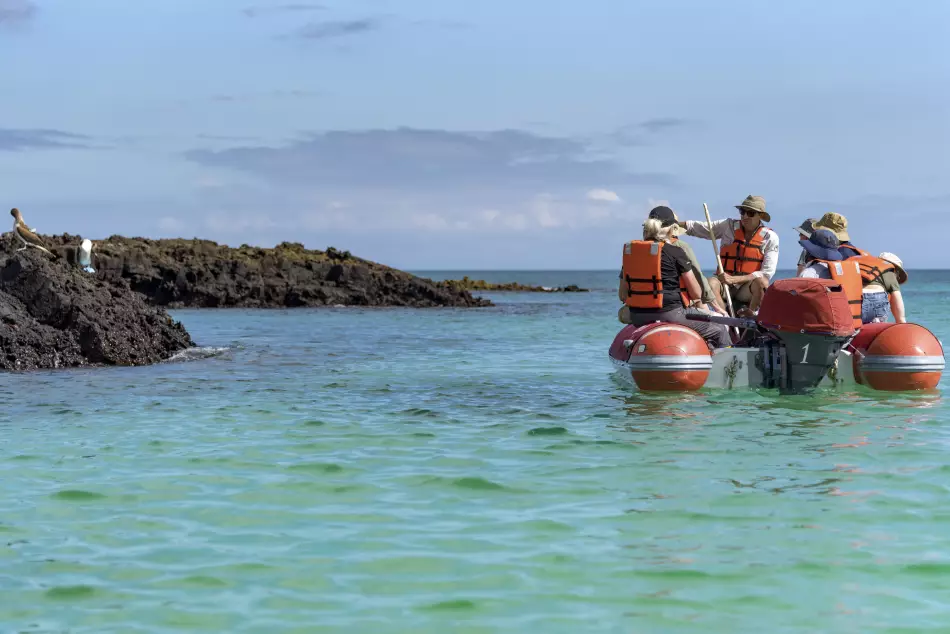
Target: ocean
[{"x": 464, "y": 470}]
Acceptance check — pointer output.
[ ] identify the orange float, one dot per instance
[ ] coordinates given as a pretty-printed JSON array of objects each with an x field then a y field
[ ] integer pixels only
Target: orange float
[
  {"x": 662, "y": 357},
  {"x": 897, "y": 357}
]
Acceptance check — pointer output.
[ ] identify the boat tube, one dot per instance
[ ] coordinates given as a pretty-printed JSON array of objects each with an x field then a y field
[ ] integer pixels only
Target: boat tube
[{"x": 803, "y": 338}]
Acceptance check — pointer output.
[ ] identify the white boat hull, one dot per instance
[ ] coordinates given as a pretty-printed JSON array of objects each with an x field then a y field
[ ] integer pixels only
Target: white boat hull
[{"x": 736, "y": 368}]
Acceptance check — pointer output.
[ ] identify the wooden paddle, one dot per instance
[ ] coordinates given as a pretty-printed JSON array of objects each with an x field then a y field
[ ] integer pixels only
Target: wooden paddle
[{"x": 725, "y": 287}]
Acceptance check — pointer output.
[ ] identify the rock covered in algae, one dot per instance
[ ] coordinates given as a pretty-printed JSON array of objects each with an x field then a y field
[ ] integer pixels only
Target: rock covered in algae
[
  {"x": 53, "y": 315},
  {"x": 203, "y": 274}
]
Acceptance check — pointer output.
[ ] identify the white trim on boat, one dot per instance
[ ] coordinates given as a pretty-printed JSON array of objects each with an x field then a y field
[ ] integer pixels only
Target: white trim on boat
[
  {"x": 897, "y": 363},
  {"x": 670, "y": 362}
]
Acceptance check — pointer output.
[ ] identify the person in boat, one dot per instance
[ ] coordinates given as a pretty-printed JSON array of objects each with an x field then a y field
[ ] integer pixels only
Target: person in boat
[
  {"x": 749, "y": 253},
  {"x": 885, "y": 292},
  {"x": 804, "y": 230},
  {"x": 657, "y": 283},
  {"x": 881, "y": 278},
  {"x": 823, "y": 260},
  {"x": 666, "y": 216},
  {"x": 838, "y": 225}
]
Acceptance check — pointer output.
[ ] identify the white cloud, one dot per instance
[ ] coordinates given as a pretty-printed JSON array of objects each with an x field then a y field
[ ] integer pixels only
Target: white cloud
[
  {"x": 517, "y": 222},
  {"x": 603, "y": 195},
  {"x": 543, "y": 210},
  {"x": 488, "y": 215}
]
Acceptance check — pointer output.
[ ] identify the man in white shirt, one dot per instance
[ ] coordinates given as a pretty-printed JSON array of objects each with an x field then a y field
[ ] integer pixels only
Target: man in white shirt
[{"x": 749, "y": 253}]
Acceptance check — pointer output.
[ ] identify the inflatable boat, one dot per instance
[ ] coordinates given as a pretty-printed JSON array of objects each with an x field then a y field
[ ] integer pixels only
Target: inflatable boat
[{"x": 803, "y": 338}]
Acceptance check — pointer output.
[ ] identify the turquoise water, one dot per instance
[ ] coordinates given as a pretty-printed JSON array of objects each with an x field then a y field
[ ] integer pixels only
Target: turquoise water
[{"x": 396, "y": 470}]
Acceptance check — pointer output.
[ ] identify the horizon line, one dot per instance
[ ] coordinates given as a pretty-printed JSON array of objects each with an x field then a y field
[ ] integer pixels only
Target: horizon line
[{"x": 469, "y": 270}]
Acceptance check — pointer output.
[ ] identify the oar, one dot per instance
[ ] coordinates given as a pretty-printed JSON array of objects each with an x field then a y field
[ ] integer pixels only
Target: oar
[{"x": 712, "y": 236}]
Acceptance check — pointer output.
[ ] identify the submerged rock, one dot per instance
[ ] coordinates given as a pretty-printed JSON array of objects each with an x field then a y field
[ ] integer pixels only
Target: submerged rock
[
  {"x": 203, "y": 274},
  {"x": 53, "y": 315}
]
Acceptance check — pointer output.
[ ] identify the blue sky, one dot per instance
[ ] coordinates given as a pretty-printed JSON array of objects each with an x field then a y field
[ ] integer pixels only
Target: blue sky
[{"x": 449, "y": 134}]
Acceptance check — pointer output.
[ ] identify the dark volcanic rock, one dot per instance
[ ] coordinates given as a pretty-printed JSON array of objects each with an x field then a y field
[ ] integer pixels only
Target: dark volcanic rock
[
  {"x": 482, "y": 285},
  {"x": 204, "y": 274},
  {"x": 53, "y": 315}
]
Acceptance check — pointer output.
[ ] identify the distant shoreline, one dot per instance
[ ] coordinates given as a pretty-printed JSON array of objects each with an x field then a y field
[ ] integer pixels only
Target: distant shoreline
[{"x": 468, "y": 284}]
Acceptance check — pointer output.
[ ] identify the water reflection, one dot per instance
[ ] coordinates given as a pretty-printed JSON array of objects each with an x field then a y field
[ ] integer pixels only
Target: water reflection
[{"x": 829, "y": 445}]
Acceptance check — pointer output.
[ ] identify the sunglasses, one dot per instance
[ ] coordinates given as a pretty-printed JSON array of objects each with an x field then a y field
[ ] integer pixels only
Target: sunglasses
[{"x": 748, "y": 212}]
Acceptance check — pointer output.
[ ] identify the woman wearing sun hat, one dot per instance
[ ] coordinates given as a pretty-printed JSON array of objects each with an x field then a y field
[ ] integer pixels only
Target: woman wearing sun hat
[
  {"x": 824, "y": 261},
  {"x": 838, "y": 225},
  {"x": 885, "y": 291},
  {"x": 881, "y": 277},
  {"x": 820, "y": 248}
]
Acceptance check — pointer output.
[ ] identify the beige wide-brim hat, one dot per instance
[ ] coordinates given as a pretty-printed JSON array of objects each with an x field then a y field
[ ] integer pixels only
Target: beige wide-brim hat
[
  {"x": 896, "y": 261},
  {"x": 836, "y": 223},
  {"x": 756, "y": 203}
]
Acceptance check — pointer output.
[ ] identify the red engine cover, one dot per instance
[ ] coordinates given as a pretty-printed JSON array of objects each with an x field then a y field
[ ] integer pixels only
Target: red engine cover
[{"x": 801, "y": 304}]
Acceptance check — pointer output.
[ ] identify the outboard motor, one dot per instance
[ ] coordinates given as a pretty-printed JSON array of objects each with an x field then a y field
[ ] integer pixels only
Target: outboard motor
[{"x": 810, "y": 322}]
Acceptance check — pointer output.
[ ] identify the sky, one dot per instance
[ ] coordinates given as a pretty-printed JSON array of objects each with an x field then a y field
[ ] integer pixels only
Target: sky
[{"x": 453, "y": 134}]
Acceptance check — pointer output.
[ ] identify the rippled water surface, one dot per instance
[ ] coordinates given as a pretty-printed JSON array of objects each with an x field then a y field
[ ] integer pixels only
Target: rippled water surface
[{"x": 373, "y": 470}]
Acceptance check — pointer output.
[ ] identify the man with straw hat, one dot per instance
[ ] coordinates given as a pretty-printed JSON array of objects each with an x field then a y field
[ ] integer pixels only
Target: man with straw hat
[
  {"x": 749, "y": 252},
  {"x": 881, "y": 276}
]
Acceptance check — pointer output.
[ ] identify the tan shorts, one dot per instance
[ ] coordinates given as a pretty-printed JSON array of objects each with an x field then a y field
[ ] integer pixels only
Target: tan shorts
[{"x": 741, "y": 293}]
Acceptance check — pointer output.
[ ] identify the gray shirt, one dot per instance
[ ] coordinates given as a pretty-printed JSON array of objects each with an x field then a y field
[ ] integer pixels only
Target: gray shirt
[{"x": 817, "y": 270}]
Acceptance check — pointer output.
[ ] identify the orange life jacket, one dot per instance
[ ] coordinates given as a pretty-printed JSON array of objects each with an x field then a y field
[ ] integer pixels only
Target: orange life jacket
[
  {"x": 848, "y": 274},
  {"x": 743, "y": 257},
  {"x": 641, "y": 271},
  {"x": 872, "y": 268},
  {"x": 855, "y": 251}
]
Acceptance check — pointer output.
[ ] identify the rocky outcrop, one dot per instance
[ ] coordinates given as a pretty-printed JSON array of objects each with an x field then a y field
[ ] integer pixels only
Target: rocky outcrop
[
  {"x": 481, "y": 285},
  {"x": 53, "y": 315},
  {"x": 204, "y": 274}
]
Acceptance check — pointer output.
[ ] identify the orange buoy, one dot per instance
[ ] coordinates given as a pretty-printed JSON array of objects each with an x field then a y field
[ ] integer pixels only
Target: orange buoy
[
  {"x": 668, "y": 357},
  {"x": 897, "y": 357}
]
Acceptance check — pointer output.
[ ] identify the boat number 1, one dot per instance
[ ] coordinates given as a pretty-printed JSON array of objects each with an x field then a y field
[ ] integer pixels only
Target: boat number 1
[{"x": 805, "y": 352}]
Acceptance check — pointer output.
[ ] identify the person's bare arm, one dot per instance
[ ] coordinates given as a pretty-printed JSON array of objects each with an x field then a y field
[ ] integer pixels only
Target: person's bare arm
[
  {"x": 694, "y": 290},
  {"x": 897, "y": 307}
]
